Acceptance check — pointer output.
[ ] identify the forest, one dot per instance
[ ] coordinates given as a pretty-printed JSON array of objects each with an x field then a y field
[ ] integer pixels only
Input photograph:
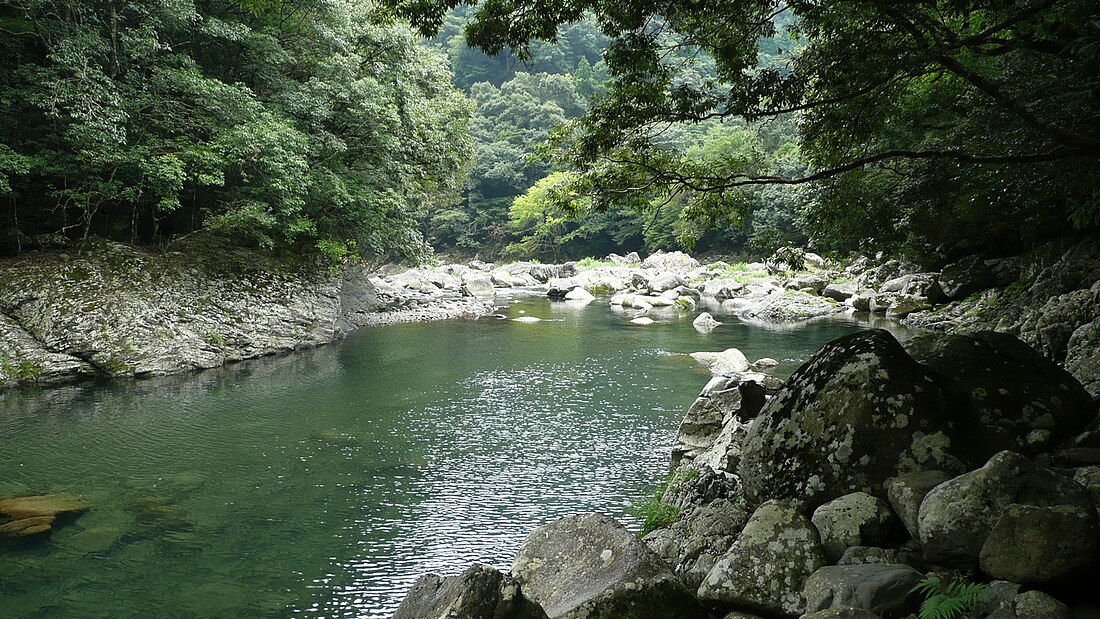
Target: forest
[{"x": 511, "y": 129}]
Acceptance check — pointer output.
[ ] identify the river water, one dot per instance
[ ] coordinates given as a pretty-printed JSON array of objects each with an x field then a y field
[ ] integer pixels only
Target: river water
[{"x": 323, "y": 483}]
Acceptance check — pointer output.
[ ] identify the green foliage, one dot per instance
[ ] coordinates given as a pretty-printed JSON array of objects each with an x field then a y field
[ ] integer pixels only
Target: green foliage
[
  {"x": 951, "y": 599},
  {"x": 593, "y": 263},
  {"x": 291, "y": 127},
  {"x": 919, "y": 123},
  {"x": 654, "y": 512}
]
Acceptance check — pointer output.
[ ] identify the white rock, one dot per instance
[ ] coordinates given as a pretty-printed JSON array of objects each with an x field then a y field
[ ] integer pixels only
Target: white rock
[
  {"x": 579, "y": 294},
  {"x": 642, "y": 320},
  {"x": 705, "y": 322},
  {"x": 526, "y": 319}
]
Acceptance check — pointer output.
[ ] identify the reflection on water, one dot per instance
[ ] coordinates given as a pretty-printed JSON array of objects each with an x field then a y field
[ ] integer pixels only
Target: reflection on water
[{"x": 323, "y": 483}]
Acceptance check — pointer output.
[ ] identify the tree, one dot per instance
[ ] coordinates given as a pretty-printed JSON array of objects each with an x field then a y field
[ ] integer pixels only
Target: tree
[
  {"x": 293, "y": 125},
  {"x": 948, "y": 113}
]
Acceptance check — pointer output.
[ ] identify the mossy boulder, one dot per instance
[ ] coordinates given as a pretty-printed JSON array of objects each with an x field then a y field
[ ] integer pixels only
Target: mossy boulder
[
  {"x": 857, "y": 413},
  {"x": 480, "y": 592}
]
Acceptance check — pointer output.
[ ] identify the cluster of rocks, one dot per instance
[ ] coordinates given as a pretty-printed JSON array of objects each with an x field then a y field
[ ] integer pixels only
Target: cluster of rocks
[{"x": 875, "y": 466}]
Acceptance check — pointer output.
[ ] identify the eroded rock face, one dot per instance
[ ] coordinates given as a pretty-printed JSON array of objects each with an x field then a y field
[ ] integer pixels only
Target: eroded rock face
[
  {"x": 1014, "y": 391},
  {"x": 957, "y": 516},
  {"x": 712, "y": 431},
  {"x": 481, "y": 592},
  {"x": 767, "y": 565},
  {"x": 879, "y": 588},
  {"x": 857, "y": 413},
  {"x": 856, "y": 519},
  {"x": 1036, "y": 545},
  {"x": 590, "y": 567},
  {"x": 1083, "y": 356}
]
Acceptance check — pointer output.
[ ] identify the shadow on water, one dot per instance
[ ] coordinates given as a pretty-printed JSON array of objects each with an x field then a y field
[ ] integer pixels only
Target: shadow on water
[{"x": 324, "y": 482}]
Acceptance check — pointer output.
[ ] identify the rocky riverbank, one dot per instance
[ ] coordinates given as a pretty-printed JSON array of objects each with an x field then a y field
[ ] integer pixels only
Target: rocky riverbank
[
  {"x": 113, "y": 310},
  {"x": 959, "y": 470}
]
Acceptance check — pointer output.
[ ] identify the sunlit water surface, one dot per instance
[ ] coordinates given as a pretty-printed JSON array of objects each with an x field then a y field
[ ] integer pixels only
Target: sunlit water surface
[{"x": 323, "y": 483}]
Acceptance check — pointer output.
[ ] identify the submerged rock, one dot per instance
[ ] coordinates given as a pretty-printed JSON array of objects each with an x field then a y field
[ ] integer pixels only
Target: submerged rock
[
  {"x": 33, "y": 516},
  {"x": 590, "y": 567}
]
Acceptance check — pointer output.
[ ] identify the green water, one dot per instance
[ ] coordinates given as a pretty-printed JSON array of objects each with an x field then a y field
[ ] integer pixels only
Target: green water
[{"x": 323, "y": 483}]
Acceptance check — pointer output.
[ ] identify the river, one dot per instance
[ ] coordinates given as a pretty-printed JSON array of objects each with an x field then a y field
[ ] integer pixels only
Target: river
[{"x": 323, "y": 483}]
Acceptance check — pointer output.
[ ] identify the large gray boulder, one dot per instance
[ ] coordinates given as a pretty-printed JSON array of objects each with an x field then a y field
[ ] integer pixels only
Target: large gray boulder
[
  {"x": 675, "y": 262},
  {"x": 1032, "y": 605},
  {"x": 590, "y": 567},
  {"x": 790, "y": 306},
  {"x": 965, "y": 277},
  {"x": 857, "y": 413},
  {"x": 1038, "y": 545},
  {"x": 923, "y": 285},
  {"x": 907, "y": 491},
  {"x": 693, "y": 544},
  {"x": 716, "y": 419},
  {"x": 1083, "y": 356},
  {"x": 957, "y": 516},
  {"x": 879, "y": 588},
  {"x": 1013, "y": 390},
  {"x": 840, "y": 292},
  {"x": 768, "y": 565},
  {"x": 481, "y": 592},
  {"x": 856, "y": 519}
]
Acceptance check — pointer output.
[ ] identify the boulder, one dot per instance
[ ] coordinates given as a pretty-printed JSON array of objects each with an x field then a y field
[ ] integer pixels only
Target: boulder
[
  {"x": 1013, "y": 390},
  {"x": 812, "y": 283},
  {"x": 481, "y": 592},
  {"x": 840, "y": 292},
  {"x": 579, "y": 294},
  {"x": 856, "y": 519},
  {"x": 961, "y": 279},
  {"x": 726, "y": 363},
  {"x": 813, "y": 260},
  {"x": 1038, "y": 545},
  {"x": 1083, "y": 356},
  {"x": 693, "y": 544},
  {"x": 901, "y": 305},
  {"x": 768, "y": 564},
  {"x": 692, "y": 485},
  {"x": 1089, "y": 477},
  {"x": 841, "y": 613},
  {"x": 789, "y": 307},
  {"x": 885, "y": 590},
  {"x": 674, "y": 262},
  {"x": 923, "y": 285},
  {"x": 907, "y": 491},
  {"x": 826, "y": 433},
  {"x": 1032, "y": 605},
  {"x": 715, "y": 417},
  {"x": 589, "y": 566},
  {"x": 665, "y": 281},
  {"x": 864, "y": 555},
  {"x": 722, "y": 289},
  {"x": 477, "y": 285},
  {"x": 705, "y": 322},
  {"x": 957, "y": 516}
]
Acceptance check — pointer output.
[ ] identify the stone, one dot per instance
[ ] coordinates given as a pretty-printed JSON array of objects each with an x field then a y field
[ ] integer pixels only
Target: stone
[
  {"x": 864, "y": 555},
  {"x": 728, "y": 362},
  {"x": 26, "y": 528},
  {"x": 766, "y": 567},
  {"x": 814, "y": 260},
  {"x": 714, "y": 418},
  {"x": 480, "y": 592},
  {"x": 1083, "y": 356},
  {"x": 885, "y": 590},
  {"x": 1013, "y": 390},
  {"x": 789, "y": 307},
  {"x": 1032, "y": 605},
  {"x": 907, "y": 491},
  {"x": 590, "y": 566},
  {"x": 579, "y": 294},
  {"x": 705, "y": 322},
  {"x": 674, "y": 262},
  {"x": 477, "y": 285},
  {"x": 722, "y": 289},
  {"x": 957, "y": 516},
  {"x": 1039, "y": 545},
  {"x": 693, "y": 544},
  {"x": 642, "y": 320},
  {"x": 901, "y": 305},
  {"x": 965, "y": 277},
  {"x": 692, "y": 485},
  {"x": 765, "y": 362},
  {"x": 922, "y": 285},
  {"x": 840, "y": 292},
  {"x": 665, "y": 281},
  {"x": 50, "y": 505},
  {"x": 858, "y": 412},
  {"x": 812, "y": 283},
  {"x": 1089, "y": 477},
  {"x": 856, "y": 519}
]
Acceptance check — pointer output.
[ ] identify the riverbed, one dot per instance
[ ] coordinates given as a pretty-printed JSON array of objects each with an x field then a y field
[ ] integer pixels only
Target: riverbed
[{"x": 324, "y": 482}]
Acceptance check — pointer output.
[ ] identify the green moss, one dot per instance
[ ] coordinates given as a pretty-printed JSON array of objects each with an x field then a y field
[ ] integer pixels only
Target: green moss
[{"x": 593, "y": 263}]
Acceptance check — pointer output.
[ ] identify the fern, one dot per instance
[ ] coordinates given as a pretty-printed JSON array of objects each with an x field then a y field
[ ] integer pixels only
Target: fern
[{"x": 949, "y": 600}]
